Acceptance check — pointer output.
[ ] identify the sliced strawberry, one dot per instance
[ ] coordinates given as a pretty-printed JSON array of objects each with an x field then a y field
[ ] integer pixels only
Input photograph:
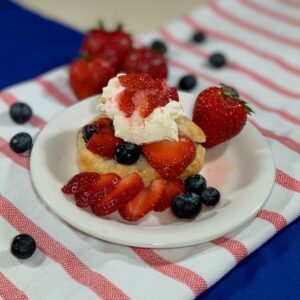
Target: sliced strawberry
[
  {"x": 170, "y": 158},
  {"x": 104, "y": 144},
  {"x": 104, "y": 125},
  {"x": 125, "y": 101},
  {"x": 137, "y": 81},
  {"x": 161, "y": 84},
  {"x": 104, "y": 185},
  {"x": 148, "y": 100},
  {"x": 144, "y": 202},
  {"x": 173, "y": 188},
  {"x": 82, "y": 199},
  {"x": 172, "y": 94},
  {"x": 123, "y": 192},
  {"x": 80, "y": 183}
]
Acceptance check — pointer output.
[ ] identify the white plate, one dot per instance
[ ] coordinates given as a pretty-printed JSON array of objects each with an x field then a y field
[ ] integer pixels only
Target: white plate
[{"x": 242, "y": 169}]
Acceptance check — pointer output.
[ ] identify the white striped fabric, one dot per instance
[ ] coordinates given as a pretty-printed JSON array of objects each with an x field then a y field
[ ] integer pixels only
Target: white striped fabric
[{"x": 261, "y": 41}]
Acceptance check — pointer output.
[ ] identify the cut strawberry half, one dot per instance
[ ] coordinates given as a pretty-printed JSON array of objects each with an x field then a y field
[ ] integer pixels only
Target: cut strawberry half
[
  {"x": 123, "y": 192},
  {"x": 144, "y": 202},
  {"x": 104, "y": 125},
  {"x": 170, "y": 158},
  {"x": 104, "y": 185},
  {"x": 104, "y": 144},
  {"x": 80, "y": 183},
  {"x": 137, "y": 81},
  {"x": 125, "y": 101},
  {"x": 173, "y": 188},
  {"x": 172, "y": 94},
  {"x": 148, "y": 100}
]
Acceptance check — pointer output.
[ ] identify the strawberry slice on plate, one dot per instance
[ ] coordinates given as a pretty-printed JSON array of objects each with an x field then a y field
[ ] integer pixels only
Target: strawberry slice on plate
[
  {"x": 144, "y": 202},
  {"x": 170, "y": 158},
  {"x": 173, "y": 188},
  {"x": 123, "y": 192},
  {"x": 81, "y": 182},
  {"x": 104, "y": 125},
  {"x": 104, "y": 185},
  {"x": 104, "y": 144}
]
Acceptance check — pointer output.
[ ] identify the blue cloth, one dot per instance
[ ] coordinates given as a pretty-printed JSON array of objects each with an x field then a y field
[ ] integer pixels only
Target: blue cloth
[{"x": 31, "y": 45}]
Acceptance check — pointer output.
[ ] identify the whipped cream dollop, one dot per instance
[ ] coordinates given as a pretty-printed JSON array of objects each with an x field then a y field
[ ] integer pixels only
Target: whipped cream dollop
[{"x": 159, "y": 125}]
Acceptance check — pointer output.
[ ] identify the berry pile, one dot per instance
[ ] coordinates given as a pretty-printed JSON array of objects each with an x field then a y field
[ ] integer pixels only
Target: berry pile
[
  {"x": 108, "y": 193},
  {"x": 105, "y": 53}
]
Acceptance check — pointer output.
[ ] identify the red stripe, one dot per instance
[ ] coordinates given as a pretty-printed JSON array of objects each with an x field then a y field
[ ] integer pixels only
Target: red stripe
[
  {"x": 288, "y": 142},
  {"x": 294, "y": 4},
  {"x": 191, "y": 279},
  {"x": 9, "y": 99},
  {"x": 234, "y": 66},
  {"x": 237, "y": 21},
  {"x": 276, "y": 219},
  {"x": 9, "y": 291},
  {"x": 57, "y": 252},
  {"x": 19, "y": 159},
  {"x": 287, "y": 181},
  {"x": 264, "y": 81},
  {"x": 236, "y": 248},
  {"x": 282, "y": 114},
  {"x": 54, "y": 91},
  {"x": 231, "y": 40},
  {"x": 271, "y": 13}
]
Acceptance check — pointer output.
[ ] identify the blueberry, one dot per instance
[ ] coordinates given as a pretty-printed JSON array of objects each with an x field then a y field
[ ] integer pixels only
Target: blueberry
[
  {"x": 186, "y": 205},
  {"x": 159, "y": 46},
  {"x": 23, "y": 246},
  {"x": 217, "y": 60},
  {"x": 87, "y": 132},
  {"x": 210, "y": 196},
  {"x": 20, "y": 112},
  {"x": 127, "y": 153},
  {"x": 21, "y": 142},
  {"x": 195, "y": 184},
  {"x": 198, "y": 37},
  {"x": 187, "y": 82}
]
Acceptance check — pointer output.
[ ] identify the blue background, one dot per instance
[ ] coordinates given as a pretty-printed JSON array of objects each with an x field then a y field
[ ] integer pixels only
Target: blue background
[{"x": 31, "y": 45}]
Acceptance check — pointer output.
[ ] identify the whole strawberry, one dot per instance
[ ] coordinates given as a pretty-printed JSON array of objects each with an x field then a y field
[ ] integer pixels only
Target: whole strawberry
[
  {"x": 145, "y": 61},
  {"x": 220, "y": 113},
  {"x": 114, "y": 44},
  {"x": 88, "y": 76}
]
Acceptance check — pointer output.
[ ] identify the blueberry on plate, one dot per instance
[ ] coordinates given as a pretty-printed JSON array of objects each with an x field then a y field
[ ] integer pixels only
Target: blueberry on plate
[
  {"x": 159, "y": 46},
  {"x": 217, "y": 60},
  {"x": 198, "y": 37},
  {"x": 23, "y": 246},
  {"x": 21, "y": 142},
  {"x": 87, "y": 132},
  {"x": 127, "y": 153},
  {"x": 20, "y": 112},
  {"x": 210, "y": 196},
  {"x": 195, "y": 184},
  {"x": 186, "y": 205},
  {"x": 187, "y": 82}
]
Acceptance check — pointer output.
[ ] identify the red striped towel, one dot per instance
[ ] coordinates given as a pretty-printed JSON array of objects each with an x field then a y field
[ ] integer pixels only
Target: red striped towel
[{"x": 262, "y": 43}]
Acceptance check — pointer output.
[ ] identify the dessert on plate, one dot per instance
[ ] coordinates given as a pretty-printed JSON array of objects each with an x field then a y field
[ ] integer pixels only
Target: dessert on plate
[{"x": 135, "y": 156}]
